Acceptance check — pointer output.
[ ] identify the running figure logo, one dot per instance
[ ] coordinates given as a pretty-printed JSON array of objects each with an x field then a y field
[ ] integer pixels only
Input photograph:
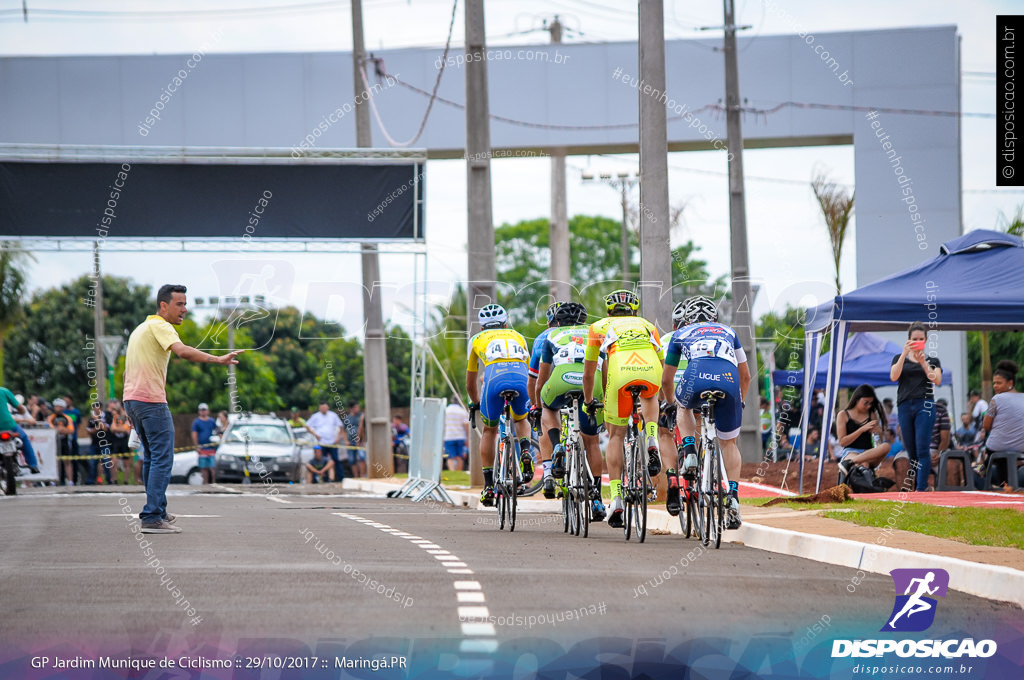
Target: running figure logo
[{"x": 914, "y": 611}]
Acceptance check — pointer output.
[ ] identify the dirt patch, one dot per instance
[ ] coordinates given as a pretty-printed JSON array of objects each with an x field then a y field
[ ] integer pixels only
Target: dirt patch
[{"x": 775, "y": 474}]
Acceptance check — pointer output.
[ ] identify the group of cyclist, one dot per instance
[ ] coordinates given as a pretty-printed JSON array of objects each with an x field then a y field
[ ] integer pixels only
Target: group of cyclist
[{"x": 699, "y": 355}]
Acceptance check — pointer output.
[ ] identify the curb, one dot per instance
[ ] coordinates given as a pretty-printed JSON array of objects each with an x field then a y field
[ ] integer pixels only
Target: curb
[{"x": 992, "y": 582}]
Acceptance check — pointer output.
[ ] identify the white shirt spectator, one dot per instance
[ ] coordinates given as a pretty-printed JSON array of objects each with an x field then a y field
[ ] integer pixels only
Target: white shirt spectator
[
  {"x": 979, "y": 409},
  {"x": 455, "y": 421},
  {"x": 327, "y": 427}
]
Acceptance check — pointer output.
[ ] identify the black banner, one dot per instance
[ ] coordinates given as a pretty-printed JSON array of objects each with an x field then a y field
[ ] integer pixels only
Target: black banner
[{"x": 146, "y": 200}]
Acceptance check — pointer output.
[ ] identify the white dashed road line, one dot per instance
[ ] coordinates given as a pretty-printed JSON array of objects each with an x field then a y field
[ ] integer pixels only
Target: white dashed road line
[{"x": 478, "y": 636}]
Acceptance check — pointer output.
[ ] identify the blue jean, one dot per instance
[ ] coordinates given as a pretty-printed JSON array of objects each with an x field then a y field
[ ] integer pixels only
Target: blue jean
[
  {"x": 156, "y": 430},
  {"x": 26, "y": 448},
  {"x": 917, "y": 418}
]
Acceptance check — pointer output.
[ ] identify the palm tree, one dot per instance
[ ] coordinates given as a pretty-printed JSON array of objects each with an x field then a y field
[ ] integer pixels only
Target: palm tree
[
  {"x": 1014, "y": 226},
  {"x": 837, "y": 208},
  {"x": 13, "y": 284}
]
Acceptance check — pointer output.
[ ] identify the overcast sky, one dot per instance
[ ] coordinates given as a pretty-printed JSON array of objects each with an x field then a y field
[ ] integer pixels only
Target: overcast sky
[{"x": 521, "y": 187}]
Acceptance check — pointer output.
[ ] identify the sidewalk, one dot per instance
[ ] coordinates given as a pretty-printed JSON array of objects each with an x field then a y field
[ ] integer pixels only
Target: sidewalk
[{"x": 989, "y": 572}]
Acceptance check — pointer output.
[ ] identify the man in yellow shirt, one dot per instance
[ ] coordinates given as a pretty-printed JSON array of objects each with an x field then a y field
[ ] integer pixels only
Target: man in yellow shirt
[
  {"x": 633, "y": 347},
  {"x": 145, "y": 399},
  {"x": 503, "y": 353}
]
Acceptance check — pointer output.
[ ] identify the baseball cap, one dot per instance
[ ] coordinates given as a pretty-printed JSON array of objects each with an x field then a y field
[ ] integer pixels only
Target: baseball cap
[
  {"x": 60, "y": 402},
  {"x": 204, "y": 406}
]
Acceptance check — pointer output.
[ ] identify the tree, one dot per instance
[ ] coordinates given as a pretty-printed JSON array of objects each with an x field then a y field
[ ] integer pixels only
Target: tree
[
  {"x": 49, "y": 351},
  {"x": 292, "y": 343},
  {"x": 837, "y": 208},
  {"x": 340, "y": 376},
  {"x": 13, "y": 283},
  {"x": 446, "y": 339}
]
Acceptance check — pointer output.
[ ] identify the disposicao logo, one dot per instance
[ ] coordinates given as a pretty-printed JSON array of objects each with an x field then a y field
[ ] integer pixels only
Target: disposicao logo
[{"x": 912, "y": 612}]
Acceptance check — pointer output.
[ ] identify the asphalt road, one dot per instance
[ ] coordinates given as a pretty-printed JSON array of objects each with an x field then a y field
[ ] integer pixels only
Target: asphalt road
[{"x": 301, "y": 573}]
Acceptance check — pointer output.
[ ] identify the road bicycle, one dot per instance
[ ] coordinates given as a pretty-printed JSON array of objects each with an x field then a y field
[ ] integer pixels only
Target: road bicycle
[
  {"x": 578, "y": 483},
  {"x": 712, "y": 482},
  {"x": 506, "y": 468},
  {"x": 637, "y": 488},
  {"x": 691, "y": 518}
]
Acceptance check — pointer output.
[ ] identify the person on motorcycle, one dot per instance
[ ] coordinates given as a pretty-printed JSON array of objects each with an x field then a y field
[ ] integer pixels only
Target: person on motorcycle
[{"x": 8, "y": 424}]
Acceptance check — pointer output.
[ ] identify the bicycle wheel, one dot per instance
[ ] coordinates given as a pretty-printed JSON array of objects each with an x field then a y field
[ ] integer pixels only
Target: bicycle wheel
[
  {"x": 586, "y": 505},
  {"x": 499, "y": 499},
  {"x": 512, "y": 473},
  {"x": 714, "y": 507},
  {"x": 566, "y": 501},
  {"x": 641, "y": 488},
  {"x": 721, "y": 494},
  {"x": 627, "y": 482}
]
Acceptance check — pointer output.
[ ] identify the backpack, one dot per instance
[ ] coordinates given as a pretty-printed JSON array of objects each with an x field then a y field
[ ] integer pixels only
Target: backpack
[{"x": 863, "y": 480}]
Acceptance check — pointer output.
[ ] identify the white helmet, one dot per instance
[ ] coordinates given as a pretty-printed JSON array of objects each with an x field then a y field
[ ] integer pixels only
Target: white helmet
[
  {"x": 700, "y": 309},
  {"x": 678, "y": 314},
  {"x": 492, "y": 316}
]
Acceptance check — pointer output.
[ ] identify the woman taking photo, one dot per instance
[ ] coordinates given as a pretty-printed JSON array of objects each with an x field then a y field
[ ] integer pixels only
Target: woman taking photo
[
  {"x": 915, "y": 374},
  {"x": 859, "y": 430}
]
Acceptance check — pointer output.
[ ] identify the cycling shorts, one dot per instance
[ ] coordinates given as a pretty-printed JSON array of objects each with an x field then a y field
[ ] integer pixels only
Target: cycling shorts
[
  {"x": 625, "y": 369},
  {"x": 714, "y": 374},
  {"x": 498, "y": 377},
  {"x": 588, "y": 424}
]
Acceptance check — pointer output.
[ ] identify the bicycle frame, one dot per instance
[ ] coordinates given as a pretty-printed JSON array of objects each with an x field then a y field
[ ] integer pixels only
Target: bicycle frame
[{"x": 578, "y": 474}]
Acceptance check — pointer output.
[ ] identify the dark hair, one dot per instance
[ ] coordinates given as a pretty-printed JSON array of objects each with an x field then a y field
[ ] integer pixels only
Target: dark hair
[
  {"x": 353, "y": 403},
  {"x": 1007, "y": 369},
  {"x": 916, "y": 326},
  {"x": 863, "y": 391},
  {"x": 974, "y": 393},
  {"x": 166, "y": 291}
]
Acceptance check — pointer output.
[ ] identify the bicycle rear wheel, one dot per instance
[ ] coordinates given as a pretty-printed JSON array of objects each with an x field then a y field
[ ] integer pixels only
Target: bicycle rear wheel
[
  {"x": 586, "y": 505},
  {"x": 641, "y": 488},
  {"x": 499, "y": 498},
  {"x": 714, "y": 499},
  {"x": 512, "y": 474},
  {"x": 566, "y": 502},
  {"x": 627, "y": 481}
]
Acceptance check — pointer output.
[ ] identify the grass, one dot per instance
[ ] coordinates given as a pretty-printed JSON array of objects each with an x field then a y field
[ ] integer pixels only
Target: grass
[{"x": 999, "y": 527}]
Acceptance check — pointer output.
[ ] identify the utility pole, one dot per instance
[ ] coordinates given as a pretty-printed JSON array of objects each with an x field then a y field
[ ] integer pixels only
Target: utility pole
[
  {"x": 482, "y": 288},
  {"x": 559, "y": 238},
  {"x": 742, "y": 317},
  {"x": 655, "y": 251},
  {"x": 97, "y": 324},
  {"x": 375, "y": 363},
  {"x": 624, "y": 184}
]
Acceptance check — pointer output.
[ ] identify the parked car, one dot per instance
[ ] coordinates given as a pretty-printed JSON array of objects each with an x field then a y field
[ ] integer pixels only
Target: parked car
[
  {"x": 185, "y": 469},
  {"x": 266, "y": 442}
]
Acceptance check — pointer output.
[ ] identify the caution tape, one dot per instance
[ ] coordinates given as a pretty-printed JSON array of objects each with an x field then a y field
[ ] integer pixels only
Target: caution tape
[{"x": 112, "y": 455}]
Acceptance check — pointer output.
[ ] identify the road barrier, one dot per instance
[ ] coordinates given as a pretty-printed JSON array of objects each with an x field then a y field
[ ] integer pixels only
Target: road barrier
[{"x": 426, "y": 452}]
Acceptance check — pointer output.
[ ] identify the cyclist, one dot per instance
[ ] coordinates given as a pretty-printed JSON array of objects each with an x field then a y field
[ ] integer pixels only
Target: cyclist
[
  {"x": 502, "y": 351},
  {"x": 716, "y": 361},
  {"x": 534, "y": 391},
  {"x": 561, "y": 371},
  {"x": 667, "y": 421},
  {"x": 633, "y": 347}
]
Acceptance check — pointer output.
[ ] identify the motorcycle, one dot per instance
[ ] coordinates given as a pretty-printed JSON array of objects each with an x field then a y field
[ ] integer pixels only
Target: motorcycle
[{"x": 10, "y": 449}]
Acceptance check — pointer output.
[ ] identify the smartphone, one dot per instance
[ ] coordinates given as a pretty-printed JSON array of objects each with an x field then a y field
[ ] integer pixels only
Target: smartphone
[{"x": 919, "y": 345}]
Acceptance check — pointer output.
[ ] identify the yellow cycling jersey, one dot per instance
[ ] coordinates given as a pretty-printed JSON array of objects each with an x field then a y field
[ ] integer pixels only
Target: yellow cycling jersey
[
  {"x": 497, "y": 345},
  {"x": 613, "y": 334}
]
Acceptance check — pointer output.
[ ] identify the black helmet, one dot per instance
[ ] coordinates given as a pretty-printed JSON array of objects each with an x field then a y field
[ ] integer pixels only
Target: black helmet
[
  {"x": 698, "y": 309},
  {"x": 570, "y": 314}
]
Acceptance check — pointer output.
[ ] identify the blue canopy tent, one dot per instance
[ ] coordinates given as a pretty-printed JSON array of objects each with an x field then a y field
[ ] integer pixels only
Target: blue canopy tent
[
  {"x": 975, "y": 283},
  {"x": 866, "y": 361}
]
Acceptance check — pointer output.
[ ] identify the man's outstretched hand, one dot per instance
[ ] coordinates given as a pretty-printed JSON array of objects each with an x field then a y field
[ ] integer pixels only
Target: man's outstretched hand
[{"x": 229, "y": 358}]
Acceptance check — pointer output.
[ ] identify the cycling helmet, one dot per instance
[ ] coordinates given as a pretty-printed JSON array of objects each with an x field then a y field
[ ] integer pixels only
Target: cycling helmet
[
  {"x": 492, "y": 316},
  {"x": 678, "y": 314},
  {"x": 622, "y": 301},
  {"x": 570, "y": 314},
  {"x": 699, "y": 309},
  {"x": 552, "y": 308}
]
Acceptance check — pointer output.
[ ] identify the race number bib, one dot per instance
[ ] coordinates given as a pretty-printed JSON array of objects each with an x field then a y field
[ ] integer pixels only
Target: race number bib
[
  {"x": 711, "y": 348},
  {"x": 506, "y": 350},
  {"x": 571, "y": 353}
]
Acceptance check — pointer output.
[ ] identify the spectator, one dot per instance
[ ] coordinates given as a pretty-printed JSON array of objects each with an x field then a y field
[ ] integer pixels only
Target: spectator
[
  {"x": 977, "y": 407},
  {"x": 1004, "y": 421},
  {"x": 456, "y": 434},
  {"x": 817, "y": 412},
  {"x": 319, "y": 468},
  {"x": 202, "y": 429},
  {"x": 967, "y": 433},
  {"x": 400, "y": 442},
  {"x": 859, "y": 431},
  {"x": 942, "y": 440},
  {"x": 295, "y": 421},
  {"x": 915, "y": 374},
  {"x": 36, "y": 408},
  {"x": 76, "y": 416},
  {"x": 354, "y": 435},
  {"x": 892, "y": 418},
  {"x": 65, "y": 426},
  {"x": 222, "y": 424},
  {"x": 120, "y": 428},
  {"x": 766, "y": 424},
  {"x": 325, "y": 425},
  {"x": 99, "y": 433}
]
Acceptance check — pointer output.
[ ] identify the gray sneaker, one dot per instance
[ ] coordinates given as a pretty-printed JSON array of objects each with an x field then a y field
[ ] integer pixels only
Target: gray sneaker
[
  {"x": 690, "y": 466},
  {"x": 615, "y": 519},
  {"x": 732, "y": 514},
  {"x": 169, "y": 518},
  {"x": 160, "y": 527}
]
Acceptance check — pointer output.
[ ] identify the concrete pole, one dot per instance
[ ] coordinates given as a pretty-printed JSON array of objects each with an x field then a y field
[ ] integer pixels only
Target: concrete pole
[
  {"x": 232, "y": 377},
  {"x": 98, "y": 328},
  {"x": 743, "y": 300},
  {"x": 380, "y": 462},
  {"x": 482, "y": 270},
  {"x": 560, "y": 273},
  {"x": 655, "y": 253},
  {"x": 624, "y": 187}
]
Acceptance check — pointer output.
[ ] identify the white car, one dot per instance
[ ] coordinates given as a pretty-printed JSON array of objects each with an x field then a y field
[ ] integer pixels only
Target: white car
[{"x": 185, "y": 469}]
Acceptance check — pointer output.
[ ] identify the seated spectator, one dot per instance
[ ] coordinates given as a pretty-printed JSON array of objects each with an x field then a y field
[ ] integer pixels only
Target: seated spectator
[
  {"x": 967, "y": 433},
  {"x": 977, "y": 406},
  {"x": 1004, "y": 422},
  {"x": 942, "y": 440},
  {"x": 859, "y": 430},
  {"x": 319, "y": 468}
]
